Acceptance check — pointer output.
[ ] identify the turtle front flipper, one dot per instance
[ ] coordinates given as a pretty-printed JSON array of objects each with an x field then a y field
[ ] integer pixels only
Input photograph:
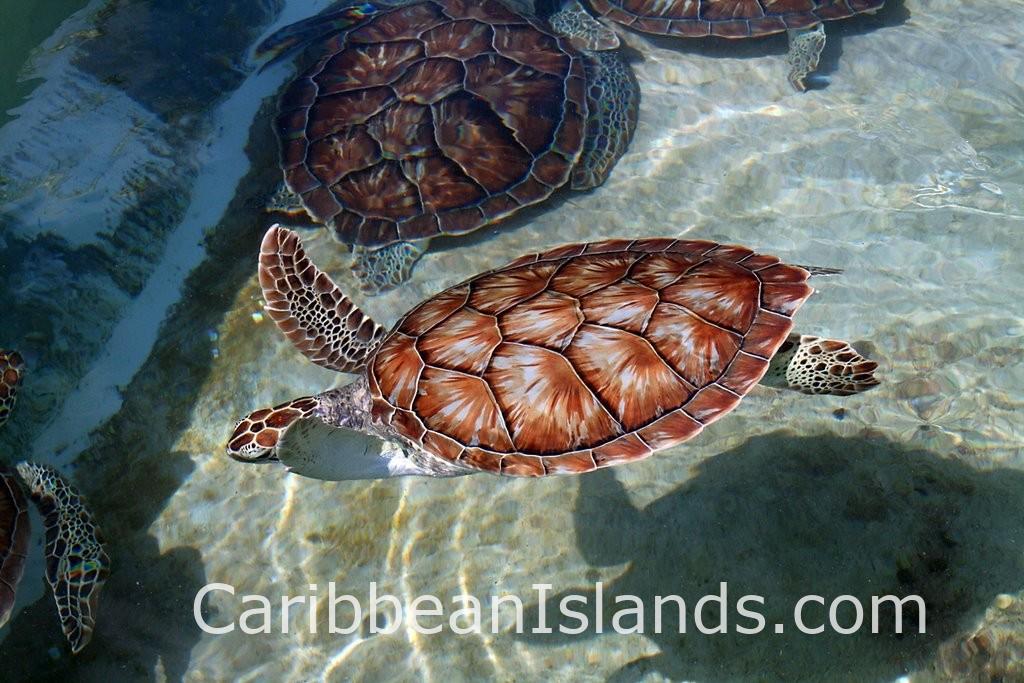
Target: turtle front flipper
[
  {"x": 613, "y": 103},
  {"x": 310, "y": 309},
  {"x": 813, "y": 365},
  {"x": 12, "y": 370},
  {"x": 385, "y": 268},
  {"x": 287, "y": 40},
  {"x": 805, "y": 47},
  {"x": 76, "y": 563}
]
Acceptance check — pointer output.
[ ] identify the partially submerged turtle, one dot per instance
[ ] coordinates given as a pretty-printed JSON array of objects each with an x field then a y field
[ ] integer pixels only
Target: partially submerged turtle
[
  {"x": 436, "y": 117},
  {"x": 584, "y": 356},
  {"x": 76, "y": 563},
  {"x": 802, "y": 20}
]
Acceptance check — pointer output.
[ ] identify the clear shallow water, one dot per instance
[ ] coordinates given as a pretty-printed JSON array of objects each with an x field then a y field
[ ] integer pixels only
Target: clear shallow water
[{"x": 905, "y": 171}]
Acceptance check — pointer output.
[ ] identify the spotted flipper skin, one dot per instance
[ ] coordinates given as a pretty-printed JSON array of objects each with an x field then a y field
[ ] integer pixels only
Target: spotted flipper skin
[
  {"x": 12, "y": 371},
  {"x": 805, "y": 47},
  {"x": 613, "y": 103},
  {"x": 814, "y": 365},
  {"x": 380, "y": 270},
  {"x": 315, "y": 315},
  {"x": 257, "y": 434},
  {"x": 76, "y": 563},
  {"x": 583, "y": 31}
]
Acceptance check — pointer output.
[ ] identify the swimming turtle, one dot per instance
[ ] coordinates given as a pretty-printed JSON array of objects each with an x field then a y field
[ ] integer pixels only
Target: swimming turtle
[
  {"x": 422, "y": 118},
  {"x": 76, "y": 563},
  {"x": 580, "y": 357},
  {"x": 802, "y": 20}
]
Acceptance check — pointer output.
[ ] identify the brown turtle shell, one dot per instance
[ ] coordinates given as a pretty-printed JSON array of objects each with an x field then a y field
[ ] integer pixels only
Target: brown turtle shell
[
  {"x": 14, "y": 537},
  {"x": 728, "y": 18},
  {"x": 585, "y": 356},
  {"x": 433, "y": 118}
]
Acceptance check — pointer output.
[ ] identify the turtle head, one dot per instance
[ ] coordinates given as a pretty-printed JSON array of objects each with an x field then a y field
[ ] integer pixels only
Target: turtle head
[
  {"x": 287, "y": 40},
  {"x": 257, "y": 435},
  {"x": 243, "y": 447}
]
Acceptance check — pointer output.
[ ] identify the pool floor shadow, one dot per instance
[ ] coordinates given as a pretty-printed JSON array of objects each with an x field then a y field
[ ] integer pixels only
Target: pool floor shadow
[
  {"x": 145, "y": 628},
  {"x": 782, "y": 517}
]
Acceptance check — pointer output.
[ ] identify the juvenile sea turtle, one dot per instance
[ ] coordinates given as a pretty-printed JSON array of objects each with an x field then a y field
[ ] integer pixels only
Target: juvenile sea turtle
[
  {"x": 583, "y": 356},
  {"x": 802, "y": 20},
  {"x": 76, "y": 563},
  {"x": 436, "y": 117}
]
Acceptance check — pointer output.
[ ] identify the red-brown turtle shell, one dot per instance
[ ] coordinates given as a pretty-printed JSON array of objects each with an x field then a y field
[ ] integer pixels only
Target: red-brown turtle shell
[
  {"x": 433, "y": 118},
  {"x": 728, "y": 18},
  {"x": 586, "y": 355}
]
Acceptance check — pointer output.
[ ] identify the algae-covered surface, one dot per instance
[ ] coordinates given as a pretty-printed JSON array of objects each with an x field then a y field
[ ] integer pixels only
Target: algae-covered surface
[{"x": 131, "y": 222}]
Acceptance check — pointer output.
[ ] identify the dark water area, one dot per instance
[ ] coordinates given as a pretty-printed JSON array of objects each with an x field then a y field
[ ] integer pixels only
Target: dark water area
[{"x": 26, "y": 25}]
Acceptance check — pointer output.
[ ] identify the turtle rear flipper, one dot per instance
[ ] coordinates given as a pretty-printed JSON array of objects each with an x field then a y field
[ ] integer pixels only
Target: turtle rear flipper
[
  {"x": 813, "y": 365},
  {"x": 287, "y": 40},
  {"x": 76, "y": 563},
  {"x": 805, "y": 48},
  {"x": 613, "y": 103},
  {"x": 315, "y": 315},
  {"x": 385, "y": 268},
  {"x": 583, "y": 31},
  {"x": 613, "y": 99}
]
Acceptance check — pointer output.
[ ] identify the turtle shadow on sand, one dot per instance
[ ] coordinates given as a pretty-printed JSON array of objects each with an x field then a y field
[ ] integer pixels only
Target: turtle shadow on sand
[{"x": 783, "y": 517}]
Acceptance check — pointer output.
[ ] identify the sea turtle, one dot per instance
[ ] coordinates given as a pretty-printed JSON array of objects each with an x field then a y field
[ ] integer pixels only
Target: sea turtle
[
  {"x": 583, "y": 356},
  {"x": 802, "y": 20},
  {"x": 422, "y": 118},
  {"x": 76, "y": 563}
]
